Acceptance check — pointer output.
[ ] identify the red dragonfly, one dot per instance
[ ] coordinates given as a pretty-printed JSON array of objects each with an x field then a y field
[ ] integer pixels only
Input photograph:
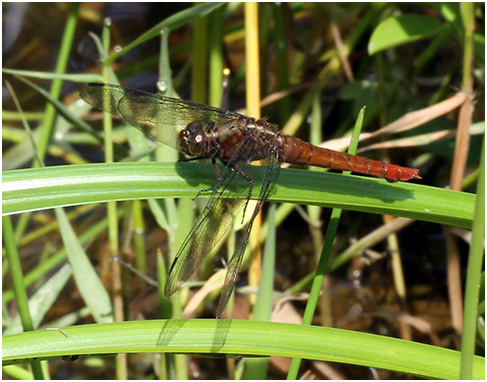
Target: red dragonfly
[{"x": 202, "y": 131}]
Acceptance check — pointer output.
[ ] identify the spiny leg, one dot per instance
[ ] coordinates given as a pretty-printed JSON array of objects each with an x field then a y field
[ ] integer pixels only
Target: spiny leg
[{"x": 219, "y": 178}]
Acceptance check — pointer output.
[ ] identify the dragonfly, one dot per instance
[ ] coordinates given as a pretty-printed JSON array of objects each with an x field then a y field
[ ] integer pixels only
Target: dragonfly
[{"x": 204, "y": 132}]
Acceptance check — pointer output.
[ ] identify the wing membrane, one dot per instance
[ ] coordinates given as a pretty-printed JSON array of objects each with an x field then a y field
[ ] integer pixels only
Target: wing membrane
[
  {"x": 158, "y": 117},
  {"x": 271, "y": 174},
  {"x": 211, "y": 226},
  {"x": 216, "y": 219}
]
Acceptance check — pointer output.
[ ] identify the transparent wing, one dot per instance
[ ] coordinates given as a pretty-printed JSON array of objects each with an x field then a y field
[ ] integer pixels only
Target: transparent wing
[
  {"x": 211, "y": 226},
  {"x": 217, "y": 218},
  {"x": 158, "y": 117},
  {"x": 271, "y": 173}
]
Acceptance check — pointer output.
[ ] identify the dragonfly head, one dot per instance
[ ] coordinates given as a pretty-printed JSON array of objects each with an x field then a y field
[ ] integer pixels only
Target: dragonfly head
[{"x": 193, "y": 139}]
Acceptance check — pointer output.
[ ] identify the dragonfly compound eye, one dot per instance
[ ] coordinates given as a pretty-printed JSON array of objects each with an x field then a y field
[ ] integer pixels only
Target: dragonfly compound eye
[{"x": 192, "y": 139}]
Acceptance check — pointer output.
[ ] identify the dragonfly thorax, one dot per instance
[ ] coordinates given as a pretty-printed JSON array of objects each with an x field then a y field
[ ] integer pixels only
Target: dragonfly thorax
[{"x": 193, "y": 139}]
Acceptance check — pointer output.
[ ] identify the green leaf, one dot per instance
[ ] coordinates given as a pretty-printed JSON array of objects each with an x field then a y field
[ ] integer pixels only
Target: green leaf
[
  {"x": 237, "y": 338},
  {"x": 42, "y": 300},
  {"x": 51, "y": 76},
  {"x": 173, "y": 22},
  {"x": 87, "y": 280},
  {"x": 41, "y": 188},
  {"x": 63, "y": 110},
  {"x": 401, "y": 30}
]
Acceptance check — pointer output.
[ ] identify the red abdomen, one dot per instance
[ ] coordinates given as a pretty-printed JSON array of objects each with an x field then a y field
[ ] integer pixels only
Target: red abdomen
[{"x": 294, "y": 150}]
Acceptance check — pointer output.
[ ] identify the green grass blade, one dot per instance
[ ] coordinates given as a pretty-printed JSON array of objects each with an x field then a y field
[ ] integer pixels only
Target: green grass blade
[
  {"x": 63, "y": 110},
  {"x": 256, "y": 368},
  {"x": 61, "y": 64},
  {"x": 474, "y": 269},
  {"x": 37, "y": 189},
  {"x": 263, "y": 306},
  {"x": 323, "y": 266},
  {"x": 19, "y": 287},
  {"x": 403, "y": 29},
  {"x": 43, "y": 299},
  {"x": 93, "y": 292},
  {"x": 18, "y": 372},
  {"x": 171, "y": 23},
  {"x": 80, "y": 78},
  {"x": 241, "y": 338},
  {"x": 16, "y": 272},
  {"x": 53, "y": 261}
]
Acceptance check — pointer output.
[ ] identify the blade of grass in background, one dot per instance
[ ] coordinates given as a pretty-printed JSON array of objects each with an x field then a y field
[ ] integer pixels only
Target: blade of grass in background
[
  {"x": 18, "y": 372},
  {"x": 216, "y": 57},
  {"x": 50, "y": 112},
  {"x": 199, "y": 69},
  {"x": 85, "y": 276},
  {"x": 63, "y": 111},
  {"x": 332, "y": 67},
  {"x": 61, "y": 64},
  {"x": 252, "y": 102},
  {"x": 280, "y": 40},
  {"x": 474, "y": 270},
  {"x": 20, "y": 154},
  {"x": 402, "y": 29},
  {"x": 113, "y": 232},
  {"x": 43, "y": 299},
  {"x": 458, "y": 169},
  {"x": 171, "y": 23},
  {"x": 322, "y": 268},
  {"x": 177, "y": 364},
  {"x": 18, "y": 284},
  {"x": 79, "y": 78},
  {"x": 256, "y": 368},
  {"x": 87, "y": 280},
  {"x": 54, "y": 261}
]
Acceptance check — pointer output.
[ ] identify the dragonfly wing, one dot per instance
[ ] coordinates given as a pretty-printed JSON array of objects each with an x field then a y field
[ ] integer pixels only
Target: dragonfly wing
[
  {"x": 215, "y": 221},
  {"x": 147, "y": 113},
  {"x": 271, "y": 173},
  {"x": 211, "y": 226},
  {"x": 158, "y": 117}
]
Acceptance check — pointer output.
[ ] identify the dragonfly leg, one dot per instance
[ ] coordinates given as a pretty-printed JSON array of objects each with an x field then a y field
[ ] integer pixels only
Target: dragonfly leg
[
  {"x": 251, "y": 186},
  {"x": 219, "y": 178}
]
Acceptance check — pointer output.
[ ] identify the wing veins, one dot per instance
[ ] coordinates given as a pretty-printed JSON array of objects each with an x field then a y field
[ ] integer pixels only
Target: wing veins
[
  {"x": 194, "y": 248},
  {"x": 272, "y": 171}
]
